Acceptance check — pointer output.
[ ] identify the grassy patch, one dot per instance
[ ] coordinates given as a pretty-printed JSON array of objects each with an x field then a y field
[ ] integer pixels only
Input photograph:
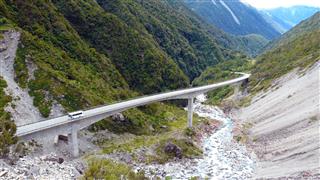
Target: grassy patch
[
  {"x": 176, "y": 124},
  {"x": 147, "y": 120},
  {"x": 246, "y": 101},
  {"x": 243, "y": 135},
  {"x": 313, "y": 119},
  {"x": 110, "y": 170},
  {"x": 188, "y": 150},
  {"x": 5, "y": 25}
]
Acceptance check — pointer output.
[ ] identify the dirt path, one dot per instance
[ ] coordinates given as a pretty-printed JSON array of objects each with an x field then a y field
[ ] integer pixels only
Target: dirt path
[
  {"x": 286, "y": 126},
  {"x": 23, "y": 111}
]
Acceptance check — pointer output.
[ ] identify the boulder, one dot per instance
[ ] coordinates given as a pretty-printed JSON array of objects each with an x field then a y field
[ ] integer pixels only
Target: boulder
[
  {"x": 118, "y": 117},
  {"x": 171, "y": 148}
]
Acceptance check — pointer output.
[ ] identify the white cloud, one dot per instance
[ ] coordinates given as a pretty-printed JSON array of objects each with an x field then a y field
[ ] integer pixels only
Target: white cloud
[{"x": 267, "y": 4}]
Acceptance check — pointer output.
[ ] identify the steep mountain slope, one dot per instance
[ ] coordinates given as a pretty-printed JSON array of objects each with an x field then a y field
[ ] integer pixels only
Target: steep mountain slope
[
  {"x": 284, "y": 127},
  {"x": 55, "y": 64},
  {"x": 292, "y": 15},
  {"x": 178, "y": 34},
  {"x": 144, "y": 66},
  {"x": 298, "y": 48},
  {"x": 74, "y": 74},
  {"x": 282, "y": 121},
  {"x": 233, "y": 17},
  {"x": 80, "y": 54}
]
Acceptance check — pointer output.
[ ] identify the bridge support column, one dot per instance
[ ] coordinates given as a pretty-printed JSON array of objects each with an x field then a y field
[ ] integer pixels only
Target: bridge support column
[
  {"x": 74, "y": 141},
  {"x": 190, "y": 111},
  {"x": 236, "y": 88},
  {"x": 237, "y": 91}
]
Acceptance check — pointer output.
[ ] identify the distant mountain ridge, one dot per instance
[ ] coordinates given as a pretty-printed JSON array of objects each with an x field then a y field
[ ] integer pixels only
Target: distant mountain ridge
[
  {"x": 233, "y": 17},
  {"x": 277, "y": 23},
  {"x": 302, "y": 29},
  {"x": 292, "y": 15}
]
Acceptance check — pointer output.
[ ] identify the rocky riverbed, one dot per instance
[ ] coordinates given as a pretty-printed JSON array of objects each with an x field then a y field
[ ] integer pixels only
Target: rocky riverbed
[
  {"x": 223, "y": 158},
  {"x": 43, "y": 167}
]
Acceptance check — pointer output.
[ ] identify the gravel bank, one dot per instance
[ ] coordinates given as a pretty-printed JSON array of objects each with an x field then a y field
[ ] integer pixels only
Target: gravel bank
[
  {"x": 44, "y": 167},
  {"x": 286, "y": 127},
  {"x": 23, "y": 111}
]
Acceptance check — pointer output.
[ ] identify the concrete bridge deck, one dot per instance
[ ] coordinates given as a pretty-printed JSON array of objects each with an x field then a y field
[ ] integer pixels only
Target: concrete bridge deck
[{"x": 66, "y": 125}]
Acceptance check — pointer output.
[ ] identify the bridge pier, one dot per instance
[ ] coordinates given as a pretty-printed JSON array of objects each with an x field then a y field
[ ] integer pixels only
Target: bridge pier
[
  {"x": 190, "y": 111},
  {"x": 74, "y": 141},
  {"x": 237, "y": 91}
]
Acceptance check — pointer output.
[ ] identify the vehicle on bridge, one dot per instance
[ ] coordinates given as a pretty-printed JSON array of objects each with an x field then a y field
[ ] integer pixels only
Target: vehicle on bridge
[{"x": 75, "y": 115}]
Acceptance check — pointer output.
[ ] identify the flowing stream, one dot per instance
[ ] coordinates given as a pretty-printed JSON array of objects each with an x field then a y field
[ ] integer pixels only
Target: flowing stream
[{"x": 222, "y": 158}]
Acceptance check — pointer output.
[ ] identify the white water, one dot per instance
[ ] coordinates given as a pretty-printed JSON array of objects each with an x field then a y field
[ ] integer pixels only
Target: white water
[{"x": 222, "y": 157}]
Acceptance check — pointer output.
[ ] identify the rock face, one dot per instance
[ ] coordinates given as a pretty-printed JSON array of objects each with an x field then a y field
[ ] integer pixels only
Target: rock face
[
  {"x": 171, "y": 148},
  {"x": 22, "y": 109},
  {"x": 23, "y": 112}
]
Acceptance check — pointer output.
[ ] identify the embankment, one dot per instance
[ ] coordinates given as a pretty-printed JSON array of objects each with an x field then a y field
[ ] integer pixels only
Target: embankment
[{"x": 285, "y": 126}]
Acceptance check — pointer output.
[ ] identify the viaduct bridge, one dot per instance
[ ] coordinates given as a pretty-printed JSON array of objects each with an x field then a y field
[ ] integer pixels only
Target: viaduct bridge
[{"x": 66, "y": 125}]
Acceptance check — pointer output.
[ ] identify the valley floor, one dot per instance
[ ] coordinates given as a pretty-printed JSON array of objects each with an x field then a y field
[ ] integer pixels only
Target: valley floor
[{"x": 285, "y": 126}]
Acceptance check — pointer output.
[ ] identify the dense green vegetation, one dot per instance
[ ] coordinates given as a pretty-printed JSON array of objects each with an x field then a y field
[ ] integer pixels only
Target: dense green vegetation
[
  {"x": 298, "y": 48},
  {"x": 7, "y": 126},
  {"x": 68, "y": 69},
  {"x": 253, "y": 44},
  {"x": 145, "y": 67},
  {"x": 190, "y": 47},
  {"x": 219, "y": 73},
  {"x": 191, "y": 43},
  {"x": 90, "y": 53},
  {"x": 148, "y": 120}
]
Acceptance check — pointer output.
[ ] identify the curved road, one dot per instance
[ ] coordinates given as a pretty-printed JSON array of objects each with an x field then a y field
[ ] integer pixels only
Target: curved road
[{"x": 118, "y": 107}]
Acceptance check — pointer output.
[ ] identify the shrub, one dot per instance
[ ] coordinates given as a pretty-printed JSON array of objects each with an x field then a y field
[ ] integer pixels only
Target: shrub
[
  {"x": 7, "y": 126},
  {"x": 109, "y": 170}
]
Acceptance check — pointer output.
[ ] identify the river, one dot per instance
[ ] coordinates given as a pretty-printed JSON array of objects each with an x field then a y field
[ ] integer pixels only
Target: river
[{"x": 222, "y": 157}]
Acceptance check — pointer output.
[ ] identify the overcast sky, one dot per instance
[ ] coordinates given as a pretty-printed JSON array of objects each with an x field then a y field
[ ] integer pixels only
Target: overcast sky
[{"x": 267, "y": 4}]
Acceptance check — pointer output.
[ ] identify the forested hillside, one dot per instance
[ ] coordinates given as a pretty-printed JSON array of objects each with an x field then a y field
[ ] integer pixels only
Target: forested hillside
[
  {"x": 73, "y": 73},
  {"x": 144, "y": 66},
  {"x": 172, "y": 29},
  {"x": 88, "y": 53}
]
